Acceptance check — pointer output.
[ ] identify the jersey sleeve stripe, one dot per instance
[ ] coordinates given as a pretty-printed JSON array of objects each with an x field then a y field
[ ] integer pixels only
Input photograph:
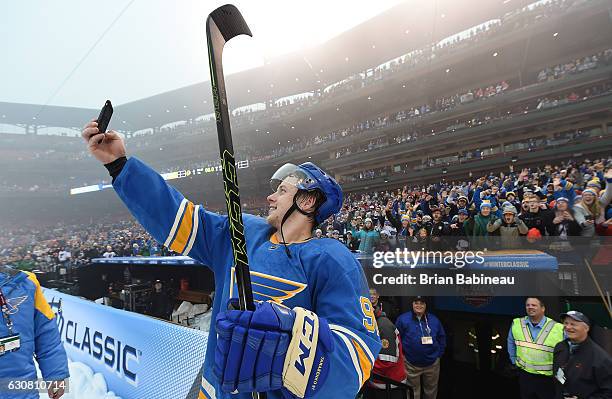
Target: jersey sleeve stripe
[
  {"x": 364, "y": 364},
  {"x": 351, "y": 351},
  {"x": 194, "y": 230},
  {"x": 340, "y": 329},
  {"x": 177, "y": 219},
  {"x": 207, "y": 391},
  {"x": 184, "y": 230}
]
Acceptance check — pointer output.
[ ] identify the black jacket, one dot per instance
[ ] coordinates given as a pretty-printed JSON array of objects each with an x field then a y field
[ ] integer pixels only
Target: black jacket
[
  {"x": 588, "y": 371},
  {"x": 541, "y": 220},
  {"x": 572, "y": 228}
]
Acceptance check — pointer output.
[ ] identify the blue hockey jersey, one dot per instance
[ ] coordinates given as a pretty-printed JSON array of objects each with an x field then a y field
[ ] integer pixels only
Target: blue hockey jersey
[
  {"x": 35, "y": 323},
  {"x": 321, "y": 275}
]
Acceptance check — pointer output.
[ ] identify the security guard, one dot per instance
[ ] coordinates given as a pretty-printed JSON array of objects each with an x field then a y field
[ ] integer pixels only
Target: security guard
[
  {"x": 27, "y": 331},
  {"x": 531, "y": 342}
]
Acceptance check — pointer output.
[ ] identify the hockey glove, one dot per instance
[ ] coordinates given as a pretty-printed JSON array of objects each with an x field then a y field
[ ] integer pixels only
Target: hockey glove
[{"x": 272, "y": 348}]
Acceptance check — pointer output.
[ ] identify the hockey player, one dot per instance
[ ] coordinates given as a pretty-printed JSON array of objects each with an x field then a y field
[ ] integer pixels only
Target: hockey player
[{"x": 314, "y": 332}]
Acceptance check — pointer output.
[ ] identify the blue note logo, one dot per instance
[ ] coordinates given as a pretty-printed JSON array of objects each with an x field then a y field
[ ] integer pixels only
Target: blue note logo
[
  {"x": 12, "y": 304},
  {"x": 267, "y": 287}
]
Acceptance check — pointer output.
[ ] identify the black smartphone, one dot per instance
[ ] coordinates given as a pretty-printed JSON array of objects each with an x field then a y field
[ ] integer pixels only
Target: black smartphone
[{"x": 105, "y": 116}]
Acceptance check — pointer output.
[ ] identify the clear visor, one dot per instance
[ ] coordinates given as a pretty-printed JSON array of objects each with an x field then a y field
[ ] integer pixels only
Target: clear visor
[{"x": 293, "y": 175}]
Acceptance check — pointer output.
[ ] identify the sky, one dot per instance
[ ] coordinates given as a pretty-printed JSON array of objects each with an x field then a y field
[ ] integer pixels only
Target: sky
[{"x": 78, "y": 53}]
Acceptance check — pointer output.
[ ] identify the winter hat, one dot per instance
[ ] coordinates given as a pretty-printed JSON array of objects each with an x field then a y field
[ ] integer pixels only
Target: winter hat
[
  {"x": 510, "y": 193},
  {"x": 589, "y": 191},
  {"x": 594, "y": 183},
  {"x": 534, "y": 234},
  {"x": 485, "y": 204},
  {"x": 405, "y": 218},
  {"x": 510, "y": 209},
  {"x": 463, "y": 211},
  {"x": 561, "y": 199}
]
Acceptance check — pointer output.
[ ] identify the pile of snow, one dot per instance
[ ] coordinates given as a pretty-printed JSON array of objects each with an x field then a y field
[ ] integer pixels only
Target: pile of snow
[{"x": 84, "y": 383}]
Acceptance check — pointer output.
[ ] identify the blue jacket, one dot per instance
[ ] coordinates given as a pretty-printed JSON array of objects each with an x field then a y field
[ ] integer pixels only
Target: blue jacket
[
  {"x": 34, "y": 320},
  {"x": 412, "y": 330}
]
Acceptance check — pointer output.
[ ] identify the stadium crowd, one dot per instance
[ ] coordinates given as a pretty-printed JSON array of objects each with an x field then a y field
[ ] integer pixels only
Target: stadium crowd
[
  {"x": 71, "y": 147},
  {"x": 563, "y": 200},
  {"x": 46, "y": 247},
  {"x": 572, "y": 199},
  {"x": 446, "y": 103}
]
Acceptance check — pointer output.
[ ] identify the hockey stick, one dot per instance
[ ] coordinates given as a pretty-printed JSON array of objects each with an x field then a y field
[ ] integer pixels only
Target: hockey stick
[{"x": 222, "y": 25}]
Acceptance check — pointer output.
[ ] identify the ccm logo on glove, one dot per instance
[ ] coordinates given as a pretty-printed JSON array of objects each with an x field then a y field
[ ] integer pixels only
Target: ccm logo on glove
[
  {"x": 272, "y": 348},
  {"x": 305, "y": 344}
]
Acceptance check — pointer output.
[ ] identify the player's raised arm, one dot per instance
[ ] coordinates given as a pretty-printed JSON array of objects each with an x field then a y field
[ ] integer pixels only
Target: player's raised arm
[{"x": 163, "y": 211}]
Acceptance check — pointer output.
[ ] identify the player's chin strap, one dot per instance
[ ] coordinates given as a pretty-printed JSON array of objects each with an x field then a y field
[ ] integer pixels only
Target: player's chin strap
[{"x": 292, "y": 208}]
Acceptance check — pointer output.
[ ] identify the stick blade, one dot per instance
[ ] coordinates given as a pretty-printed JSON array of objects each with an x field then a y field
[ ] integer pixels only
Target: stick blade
[{"x": 230, "y": 22}]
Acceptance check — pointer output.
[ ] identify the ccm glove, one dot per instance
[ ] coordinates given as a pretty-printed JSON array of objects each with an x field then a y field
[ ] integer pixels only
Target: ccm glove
[{"x": 272, "y": 348}]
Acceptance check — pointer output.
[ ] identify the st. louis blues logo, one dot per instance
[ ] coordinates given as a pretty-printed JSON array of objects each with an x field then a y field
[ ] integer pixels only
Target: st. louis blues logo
[
  {"x": 13, "y": 304},
  {"x": 267, "y": 287}
]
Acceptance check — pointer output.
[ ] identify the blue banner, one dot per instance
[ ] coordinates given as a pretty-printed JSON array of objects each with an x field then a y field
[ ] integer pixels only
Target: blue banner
[{"x": 139, "y": 356}]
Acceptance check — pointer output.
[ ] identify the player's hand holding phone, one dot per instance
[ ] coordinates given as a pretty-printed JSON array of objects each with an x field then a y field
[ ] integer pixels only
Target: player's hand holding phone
[{"x": 105, "y": 146}]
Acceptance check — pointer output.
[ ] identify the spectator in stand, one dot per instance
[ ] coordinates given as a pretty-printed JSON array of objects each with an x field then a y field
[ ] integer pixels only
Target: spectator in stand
[
  {"x": 420, "y": 241},
  {"x": 538, "y": 216},
  {"x": 64, "y": 257},
  {"x": 351, "y": 243},
  {"x": 563, "y": 188},
  {"x": 511, "y": 198},
  {"x": 437, "y": 230},
  {"x": 588, "y": 212},
  {"x": 564, "y": 223},
  {"x": 109, "y": 252},
  {"x": 368, "y": 237},
  {"x": 457, "y": 227},
  {"x": 385, "y": 244},
  {"x": 418, "y": 223},
  {"x": 136, "y": 249},
  {"x": 509, "y": 227},
  {"x": 476, "y": 227},
  {"x": 462, "y": 203}
]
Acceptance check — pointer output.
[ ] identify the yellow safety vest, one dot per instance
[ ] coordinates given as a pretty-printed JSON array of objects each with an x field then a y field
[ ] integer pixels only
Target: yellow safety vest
[{"x": 535, "y": 356}]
